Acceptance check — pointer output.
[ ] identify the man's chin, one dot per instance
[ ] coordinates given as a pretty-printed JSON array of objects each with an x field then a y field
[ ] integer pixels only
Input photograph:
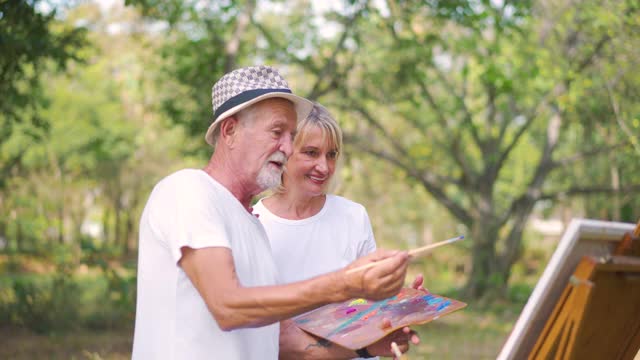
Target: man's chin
[{"x": 270, "y": 181}]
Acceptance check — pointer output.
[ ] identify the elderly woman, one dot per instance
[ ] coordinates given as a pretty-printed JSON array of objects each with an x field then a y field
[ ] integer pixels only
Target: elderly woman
[{"x": 312, "y": 232}]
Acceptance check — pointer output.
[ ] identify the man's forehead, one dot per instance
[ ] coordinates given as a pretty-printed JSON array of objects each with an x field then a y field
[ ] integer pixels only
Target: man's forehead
[
  {"x": 276, "y": 102},
  {"x": 278, "y": 111}
]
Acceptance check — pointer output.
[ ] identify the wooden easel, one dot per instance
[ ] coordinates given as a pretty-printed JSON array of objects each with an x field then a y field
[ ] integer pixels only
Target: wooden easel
[{"x": 598, "y": 314}]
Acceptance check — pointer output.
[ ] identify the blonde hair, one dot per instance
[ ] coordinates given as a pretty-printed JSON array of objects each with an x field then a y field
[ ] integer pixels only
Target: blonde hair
[{"x": 320, "y": 118}]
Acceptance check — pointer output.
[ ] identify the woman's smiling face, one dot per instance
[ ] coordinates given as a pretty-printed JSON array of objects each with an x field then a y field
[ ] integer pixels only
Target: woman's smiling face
[{"x": 311, "y": 167}]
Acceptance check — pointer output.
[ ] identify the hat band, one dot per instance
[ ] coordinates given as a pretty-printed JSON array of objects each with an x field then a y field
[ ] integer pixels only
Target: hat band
[{"x": 244, "y": 97}]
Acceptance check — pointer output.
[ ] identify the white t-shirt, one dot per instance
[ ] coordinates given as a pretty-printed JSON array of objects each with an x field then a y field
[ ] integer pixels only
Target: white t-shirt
[
  {"x": 327, "y": 241},
  {"x": 189, "y": 208}
]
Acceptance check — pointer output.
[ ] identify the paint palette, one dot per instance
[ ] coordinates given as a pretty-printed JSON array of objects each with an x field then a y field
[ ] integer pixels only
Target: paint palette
[{"x": 355, "y": 323}]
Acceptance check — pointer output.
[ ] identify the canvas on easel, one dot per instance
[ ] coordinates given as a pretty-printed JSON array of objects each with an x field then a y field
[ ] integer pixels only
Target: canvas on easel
[
  {"x": 568, "y": 316},
  {"x": 598, "y": 315}
]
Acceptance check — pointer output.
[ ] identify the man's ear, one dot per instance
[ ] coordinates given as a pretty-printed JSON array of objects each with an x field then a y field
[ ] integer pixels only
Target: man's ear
[{"x": 228, "y": 130}]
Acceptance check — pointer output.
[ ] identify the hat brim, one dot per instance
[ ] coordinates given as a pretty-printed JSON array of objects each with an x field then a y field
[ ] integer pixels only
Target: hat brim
[{"x": 302, "y": 106}]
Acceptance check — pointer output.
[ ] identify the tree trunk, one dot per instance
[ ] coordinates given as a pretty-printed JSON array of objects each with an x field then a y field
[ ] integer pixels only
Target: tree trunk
[
  {"x": 616, "y": 204},
  {"x": 19, "y": 246},
  {"x": 128, "y": 234},
  {"x": 116, "y": 225},
  {"x": 61, "y": 222},
  {"x": 485, "y": 274},
  {"x": 130, "y": 225},
  {"x": 105, "y": 225},
  {"x": 3, "y": 234}
]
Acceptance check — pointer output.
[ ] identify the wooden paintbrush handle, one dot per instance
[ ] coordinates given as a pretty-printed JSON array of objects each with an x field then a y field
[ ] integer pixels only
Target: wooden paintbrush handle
[
  {"x": 426, "y": 249},
  {"x": 415, "y": 253},
  {"x": 396, "y": 351}
]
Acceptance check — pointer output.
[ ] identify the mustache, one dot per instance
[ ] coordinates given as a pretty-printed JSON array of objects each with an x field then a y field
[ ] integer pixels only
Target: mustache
[{"x": 278, "y": 156}]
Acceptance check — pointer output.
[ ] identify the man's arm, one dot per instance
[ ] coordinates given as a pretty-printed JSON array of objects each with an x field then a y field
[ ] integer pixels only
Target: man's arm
[{"x": 212, "y": 272}]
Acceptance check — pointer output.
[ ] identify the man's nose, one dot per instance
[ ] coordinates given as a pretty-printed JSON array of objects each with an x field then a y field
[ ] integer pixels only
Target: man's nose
[{"x": 286, "y": 145}]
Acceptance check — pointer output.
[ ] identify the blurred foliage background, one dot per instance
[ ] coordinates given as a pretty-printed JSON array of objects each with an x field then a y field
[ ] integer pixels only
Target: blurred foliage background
[{"x": 496, "y": 119}]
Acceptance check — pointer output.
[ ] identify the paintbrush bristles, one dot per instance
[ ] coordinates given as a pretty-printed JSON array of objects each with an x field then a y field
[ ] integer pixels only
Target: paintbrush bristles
[{"x": 415, "y": 253}]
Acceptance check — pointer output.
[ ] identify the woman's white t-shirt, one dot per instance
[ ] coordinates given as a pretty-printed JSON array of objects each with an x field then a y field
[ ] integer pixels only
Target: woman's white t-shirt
[{"x": 329, "y": 240}]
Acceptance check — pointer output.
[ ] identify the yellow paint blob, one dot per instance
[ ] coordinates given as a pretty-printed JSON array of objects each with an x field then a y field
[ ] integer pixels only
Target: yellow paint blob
[{"x": 358, "y": 302}]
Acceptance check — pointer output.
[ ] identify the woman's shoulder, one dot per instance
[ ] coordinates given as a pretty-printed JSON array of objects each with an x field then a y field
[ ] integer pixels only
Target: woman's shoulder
[{"x": 344, "y": 204}]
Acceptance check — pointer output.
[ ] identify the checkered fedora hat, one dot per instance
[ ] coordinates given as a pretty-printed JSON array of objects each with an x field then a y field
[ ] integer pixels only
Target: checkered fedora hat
[{"x": 243, "y": 87}]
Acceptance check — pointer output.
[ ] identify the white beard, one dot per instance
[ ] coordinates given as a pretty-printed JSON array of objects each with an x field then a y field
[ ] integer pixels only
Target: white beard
[{"x": 269, "y": 177}]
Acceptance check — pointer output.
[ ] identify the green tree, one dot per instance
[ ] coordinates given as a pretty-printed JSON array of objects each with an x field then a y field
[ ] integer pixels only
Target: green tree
[
  {"x": 29, "y": 41},
  {"x": 105, "y": 146},
  {"x": 481, "y": 103},
  {"x": 204, "y": 40}
]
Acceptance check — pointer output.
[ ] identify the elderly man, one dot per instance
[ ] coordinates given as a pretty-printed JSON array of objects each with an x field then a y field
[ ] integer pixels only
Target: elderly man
[{"x": 206, "y": 279}]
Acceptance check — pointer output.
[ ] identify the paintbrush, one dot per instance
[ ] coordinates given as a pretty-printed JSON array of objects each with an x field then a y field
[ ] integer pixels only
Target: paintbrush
[
  {"x": 415, "y": 253},
  {"x": 396, "y": 351}
]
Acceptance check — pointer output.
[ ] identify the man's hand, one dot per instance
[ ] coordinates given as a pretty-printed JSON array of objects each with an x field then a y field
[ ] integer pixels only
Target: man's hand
[
  {"x": 402, "y": 337},
  {"x": 378, "y": 282}
]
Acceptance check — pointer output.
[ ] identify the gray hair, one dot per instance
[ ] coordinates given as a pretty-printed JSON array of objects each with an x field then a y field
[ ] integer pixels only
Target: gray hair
[{"x": 245, "y": 117}]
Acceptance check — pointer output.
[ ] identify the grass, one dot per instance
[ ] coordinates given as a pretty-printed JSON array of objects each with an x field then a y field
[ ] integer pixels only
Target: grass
[
  {"x": 469, "y": 333},
  {"x": 20, "y": 344},
  {"x": 466, "y": 334}
]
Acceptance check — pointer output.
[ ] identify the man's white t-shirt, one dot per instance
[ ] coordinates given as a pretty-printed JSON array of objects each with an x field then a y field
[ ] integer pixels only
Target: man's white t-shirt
[
  {"x": 329, "y": 240},
  {"x": 191, "y": 209}
]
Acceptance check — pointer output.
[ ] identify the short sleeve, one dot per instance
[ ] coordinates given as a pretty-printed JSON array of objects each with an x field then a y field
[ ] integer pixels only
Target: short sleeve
[
  {"x": 187, "y": 213},
  {"x": 368, "y": 244}
]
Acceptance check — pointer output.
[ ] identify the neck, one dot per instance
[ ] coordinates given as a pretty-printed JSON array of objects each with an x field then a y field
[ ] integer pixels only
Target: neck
[
  {"x": 231, "y": 178},
  {"x": 295, "y": 206}
]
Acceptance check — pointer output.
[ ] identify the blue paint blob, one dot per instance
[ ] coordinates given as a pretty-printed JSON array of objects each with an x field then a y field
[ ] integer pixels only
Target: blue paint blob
[
  {"x": 444, "y": 305},
  {"x": 431, "y": 300}
]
